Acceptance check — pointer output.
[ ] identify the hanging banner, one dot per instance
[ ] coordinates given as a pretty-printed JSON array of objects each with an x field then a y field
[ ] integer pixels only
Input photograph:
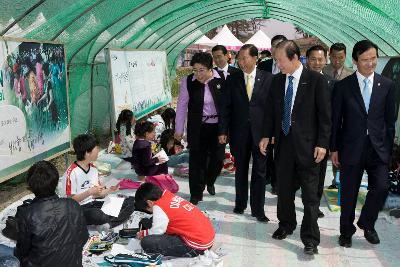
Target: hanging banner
[
  {"x": 139, "y": 80},
  {"x": 34, "y": 122}
]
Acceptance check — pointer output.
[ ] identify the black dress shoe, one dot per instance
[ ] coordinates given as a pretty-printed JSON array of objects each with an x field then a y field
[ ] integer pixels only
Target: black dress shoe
[
  {"x": 332, "y": 186},
  {"x": 345, "y": 241},
  {"x": 238, "y": 211},
  {"x": 262, "y": 218},
  {"x": 211, "y": 189},
  {"x": 194, "y": 201},
  {"x": 371, "y": 236},
  {"x": 320, "y": 214},
  {"x": 310, "y": 249},
  {"x": 280, "y": 234}
]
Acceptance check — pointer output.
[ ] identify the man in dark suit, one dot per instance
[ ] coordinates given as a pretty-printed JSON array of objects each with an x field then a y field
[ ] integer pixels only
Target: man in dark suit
[
  {"x": 242, "y": 109},
  {"x": 363, "y": 117},
  {"x": 316, "y": 61},
  {"x": 298, "y": 115},
  {"x": 270, "y": 66},
  {"x": 220, "y": 57}
]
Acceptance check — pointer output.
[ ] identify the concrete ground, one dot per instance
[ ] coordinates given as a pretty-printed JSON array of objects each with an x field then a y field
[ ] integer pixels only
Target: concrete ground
[{"x": 249, "y": 243}]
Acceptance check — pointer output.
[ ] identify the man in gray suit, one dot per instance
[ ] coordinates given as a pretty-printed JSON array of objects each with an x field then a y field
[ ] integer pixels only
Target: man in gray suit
[{"x": 336, "y": 69}]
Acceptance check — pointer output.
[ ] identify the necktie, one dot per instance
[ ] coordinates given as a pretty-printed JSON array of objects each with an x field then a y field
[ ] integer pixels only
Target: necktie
[
  {"x": 249, "y": 88},
  {"x": 335, "y": 74},
  {"x": 365, "y": 94},
  {"x": 288, "y": 106}
]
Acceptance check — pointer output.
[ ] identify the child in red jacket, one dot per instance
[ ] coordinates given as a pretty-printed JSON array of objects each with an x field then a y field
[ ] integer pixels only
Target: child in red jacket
[{"x": 179, "y": 228}]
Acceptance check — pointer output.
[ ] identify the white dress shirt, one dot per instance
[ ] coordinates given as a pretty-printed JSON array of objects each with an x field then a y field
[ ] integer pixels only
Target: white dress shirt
[
  {"x": 296, "y": 74},
  {"x": 275, "y": 68}
]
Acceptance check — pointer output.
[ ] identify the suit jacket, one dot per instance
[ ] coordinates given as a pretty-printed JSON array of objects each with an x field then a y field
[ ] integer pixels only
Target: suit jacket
[
  {"x": 238, "y": 113},
  {"x": 311, "y": 114},
  {"x": 328, "y": 70},
  {"x": 231, "y": 70},
  {"x": 351, "y": 122},
  {"x": 266, "y": 65}
]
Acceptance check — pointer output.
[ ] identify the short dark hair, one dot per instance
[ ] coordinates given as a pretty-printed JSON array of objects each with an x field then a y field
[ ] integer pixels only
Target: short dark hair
[
  {"x": 316, "y": 48},
  {"x": 146, "y": 191},
  {"x": 337, "y": 47},
  {"x": 42, "y": 178},
  {"x": 362, "y": 46},
  {"x": 166, "y": 136},
  {"x": 84, "y": 143},
  {"x": 278, "y": 37},
  {"x": 266, "y": 52},
  {"x": 219, "y": 48},
  {"x": 202, "y": 58},
  {"x": 291, "y": 48},
  {"x": 142, "y": 127},
  {"x": 253, "y": 51}
]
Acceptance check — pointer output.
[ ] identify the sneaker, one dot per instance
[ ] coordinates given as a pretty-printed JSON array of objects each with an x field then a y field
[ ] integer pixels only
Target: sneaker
[{"x": 134, "y": 259}]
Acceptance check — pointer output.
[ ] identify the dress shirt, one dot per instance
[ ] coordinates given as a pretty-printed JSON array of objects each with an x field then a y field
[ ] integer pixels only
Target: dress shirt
[
  {"x": 253, "y": 77},
  {"x": 275, "y": 68},
  {"x": 361, "y": 79},
  {"x": 225, "y": 70},
  {"x": 183, "y": 101},
  {"x": 296, "y": 74}
]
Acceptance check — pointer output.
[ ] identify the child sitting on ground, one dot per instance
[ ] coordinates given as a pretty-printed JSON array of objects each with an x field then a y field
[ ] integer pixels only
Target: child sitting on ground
[
  {"x": 179, "y": 228},
  {"x": 173, "y": 148},
  {"x": 51, "y": 231},
  {"x": 123, "y": 136},
  {"x": 83, "y": 185},
  {"x": 144, "y": 162},
  {"x": 164, "y": 121}
]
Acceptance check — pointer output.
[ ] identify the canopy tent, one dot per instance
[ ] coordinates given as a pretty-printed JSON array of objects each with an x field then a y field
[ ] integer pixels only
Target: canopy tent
[
  {"x": 260, "y": 40},
  {"x": 204, "y": 40},
  {"x": 226, "y": 38},
  {"x": 86, "y": 27}
]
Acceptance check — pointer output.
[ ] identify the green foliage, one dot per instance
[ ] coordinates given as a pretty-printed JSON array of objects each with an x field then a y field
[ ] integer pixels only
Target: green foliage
[{"x": 180, "y": 73}]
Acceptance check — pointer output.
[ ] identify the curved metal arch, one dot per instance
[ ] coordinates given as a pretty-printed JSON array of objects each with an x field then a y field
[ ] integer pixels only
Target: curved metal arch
[
  {"x": 160, "y": 25},
  {"x": 108, "y": 26},
  {"x": 104, "y": 44},
  {"x": 358, "y": 27},
  {"x": 170, "y": 36},
  {"x": 26, "y": 13},
  {"x": 76, "y": 18}
]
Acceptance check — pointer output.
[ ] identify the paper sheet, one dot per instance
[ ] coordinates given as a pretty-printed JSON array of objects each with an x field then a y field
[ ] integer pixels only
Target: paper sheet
[
  {"x": 112, "y": 205},
  {"x": 162, "y": 155}
]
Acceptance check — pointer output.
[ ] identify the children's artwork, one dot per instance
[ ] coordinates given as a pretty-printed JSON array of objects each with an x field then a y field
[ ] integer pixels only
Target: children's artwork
[
  {"x": 139, "y": 79},
  {"x": 34, "y": 121}
]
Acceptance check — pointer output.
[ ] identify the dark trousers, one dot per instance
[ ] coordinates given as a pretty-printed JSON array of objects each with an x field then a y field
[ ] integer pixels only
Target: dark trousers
[
  {"x": 168, "y": 245},
  {"x": 258, "y": 182},
  {"x": 290, "y": 174},
  {"x": 271, "y": 175},
  {"x": 322, "y": 172},
  {"x": 205, "y": 161},
  {"x": 95, "y": 216},
  {"x": 350, "y": 180}
]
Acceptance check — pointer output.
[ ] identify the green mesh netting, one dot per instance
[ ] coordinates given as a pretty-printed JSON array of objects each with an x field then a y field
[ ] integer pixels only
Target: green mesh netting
[{"x": 86, "y": 27}]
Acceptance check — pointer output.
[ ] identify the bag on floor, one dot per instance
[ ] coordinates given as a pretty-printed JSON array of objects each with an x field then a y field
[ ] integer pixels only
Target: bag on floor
[
  {"x": 164, "y": 181},
  {"x": 134, "y": 260}
]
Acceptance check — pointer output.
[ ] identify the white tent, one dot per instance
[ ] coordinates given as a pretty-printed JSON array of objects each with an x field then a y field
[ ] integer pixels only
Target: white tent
[
  {"x": 227, "y": 39},
  {"x": 260, "y": 40},
  {"x": 204, "y": 40}
]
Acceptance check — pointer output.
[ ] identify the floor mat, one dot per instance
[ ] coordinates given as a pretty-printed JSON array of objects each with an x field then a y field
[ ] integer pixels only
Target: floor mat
[{"x": 331, "y": 196}]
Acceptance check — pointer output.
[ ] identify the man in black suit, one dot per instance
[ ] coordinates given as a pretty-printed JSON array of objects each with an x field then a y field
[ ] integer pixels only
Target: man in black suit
[
  {"x": 270, "y": 64},
  {"x": 243, "y": 103},
  {"x": 363, "y": 117},
  {"x": 316, "y": 61},
  {"x": 298, "y": 115},
  {"x": 220, "y": 57}
]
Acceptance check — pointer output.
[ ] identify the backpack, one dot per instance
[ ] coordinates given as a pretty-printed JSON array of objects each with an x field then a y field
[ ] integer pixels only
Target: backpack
[
  {"x": 134, "y": 259},
  {"x": 164, "y": 181}
]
